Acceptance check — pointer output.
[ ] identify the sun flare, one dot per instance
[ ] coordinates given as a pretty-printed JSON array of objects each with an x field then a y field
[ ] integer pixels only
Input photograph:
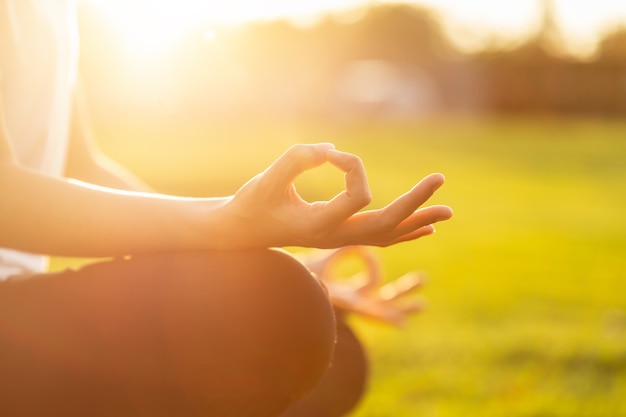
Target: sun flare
[{"x": 148, "y": 27}]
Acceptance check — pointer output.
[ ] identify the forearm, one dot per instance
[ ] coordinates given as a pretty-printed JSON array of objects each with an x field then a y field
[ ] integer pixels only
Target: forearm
[{"x": 47, "y": 215}]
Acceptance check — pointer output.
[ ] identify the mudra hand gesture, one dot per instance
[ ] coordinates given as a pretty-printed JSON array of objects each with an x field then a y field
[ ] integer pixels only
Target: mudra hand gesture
[
  {"x": 267, "y": 210},
  {"x": 365, "y": 293}
]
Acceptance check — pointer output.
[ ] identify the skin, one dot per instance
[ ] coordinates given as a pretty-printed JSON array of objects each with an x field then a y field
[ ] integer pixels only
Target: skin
[
  {"x": 366, "y": 294},
  {"x": 68, "y": 217}
]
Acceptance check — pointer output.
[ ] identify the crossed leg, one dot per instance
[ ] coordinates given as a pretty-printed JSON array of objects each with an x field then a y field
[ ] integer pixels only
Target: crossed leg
[{"x": 224, "y": 334}]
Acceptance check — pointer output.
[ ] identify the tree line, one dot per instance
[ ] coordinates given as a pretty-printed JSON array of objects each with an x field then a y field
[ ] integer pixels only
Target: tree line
[{"x": 402, "y": 59}]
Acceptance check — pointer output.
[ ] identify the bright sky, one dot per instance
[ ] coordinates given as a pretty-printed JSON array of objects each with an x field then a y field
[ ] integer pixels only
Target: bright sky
[
  {"x": 581, "y": 22},
  {"x": 151, "y": 23}
]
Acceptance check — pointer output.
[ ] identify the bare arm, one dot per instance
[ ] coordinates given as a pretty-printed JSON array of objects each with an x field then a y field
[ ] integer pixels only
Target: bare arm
[
  {"x": 54, "y": 216},
  {"x": 47, "y": 215}
]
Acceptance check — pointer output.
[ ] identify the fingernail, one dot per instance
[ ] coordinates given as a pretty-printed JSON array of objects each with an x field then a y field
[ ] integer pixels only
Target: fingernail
[{"x": 447, "y": 215}]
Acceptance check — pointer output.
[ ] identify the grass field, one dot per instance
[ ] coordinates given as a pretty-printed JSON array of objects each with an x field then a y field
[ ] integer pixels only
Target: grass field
[{"x": 527, "y": 288}]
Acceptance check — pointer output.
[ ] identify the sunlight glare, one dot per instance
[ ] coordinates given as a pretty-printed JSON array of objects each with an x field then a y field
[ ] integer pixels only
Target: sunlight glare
[
  {"x": 208, "y": 35},
  {"x": 150, "y": 26},
  {"x": 584, "y": 22}
]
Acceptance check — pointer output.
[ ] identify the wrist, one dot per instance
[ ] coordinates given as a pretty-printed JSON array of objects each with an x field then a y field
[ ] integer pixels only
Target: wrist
[{"x": 205, "y": 226}]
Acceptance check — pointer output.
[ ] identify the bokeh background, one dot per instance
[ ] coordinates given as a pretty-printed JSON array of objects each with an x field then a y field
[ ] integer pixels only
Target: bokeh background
[{"x": 520, "y": 104}]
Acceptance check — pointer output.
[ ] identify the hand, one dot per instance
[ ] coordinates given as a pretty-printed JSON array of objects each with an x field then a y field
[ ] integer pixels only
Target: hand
[
  {"x": 367, "y": 296},
  {"x": 267, "y": 210}
]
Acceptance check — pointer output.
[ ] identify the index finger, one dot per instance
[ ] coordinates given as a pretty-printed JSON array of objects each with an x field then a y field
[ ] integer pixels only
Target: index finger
[{"x": 292, "y": 163}]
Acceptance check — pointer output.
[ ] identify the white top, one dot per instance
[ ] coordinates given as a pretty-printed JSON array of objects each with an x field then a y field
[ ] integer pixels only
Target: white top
[{"x": 38, "y": 63}]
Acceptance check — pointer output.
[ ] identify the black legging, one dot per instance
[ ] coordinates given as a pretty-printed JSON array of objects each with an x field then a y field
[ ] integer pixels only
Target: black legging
[
  {"x": 192, "y": 334},
  {"x": 343, "y": 384}
]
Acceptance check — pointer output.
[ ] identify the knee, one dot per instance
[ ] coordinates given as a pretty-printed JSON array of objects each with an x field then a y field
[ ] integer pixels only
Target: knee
[
  {"x": 257, "y": 322},
  {"x": 280, "y": 315},
  {"x": 343, "y": 384}
]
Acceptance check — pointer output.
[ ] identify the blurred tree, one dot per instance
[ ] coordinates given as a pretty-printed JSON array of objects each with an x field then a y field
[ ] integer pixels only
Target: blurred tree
[
  {"x": 279, "y": 69},
  {"x": 612, "y": 48},
  {"x": 402, "y": 34}
]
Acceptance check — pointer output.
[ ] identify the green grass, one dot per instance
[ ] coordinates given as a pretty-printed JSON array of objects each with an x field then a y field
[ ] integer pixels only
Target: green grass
[{"x": 527, "y": 306}]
